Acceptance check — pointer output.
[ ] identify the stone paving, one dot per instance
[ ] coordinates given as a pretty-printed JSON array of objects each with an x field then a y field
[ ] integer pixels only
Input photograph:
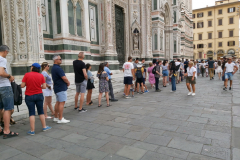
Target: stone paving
[{"x": 153, "y": 126}]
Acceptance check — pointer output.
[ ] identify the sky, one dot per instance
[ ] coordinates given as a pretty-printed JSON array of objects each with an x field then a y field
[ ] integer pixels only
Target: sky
[{"x": 202, "y": 3}]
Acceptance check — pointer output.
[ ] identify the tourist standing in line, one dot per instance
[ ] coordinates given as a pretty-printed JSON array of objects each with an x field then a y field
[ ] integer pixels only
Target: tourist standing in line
[
  {"x": 103, "y": 84},
  {"x": 198, "y": 68},
  {"x": 60, "y": 86},
  {"x": 230, "y": 69},
  {"x": 151, "y": 78},
  {"x": 81, "y": 79},
  {"x": 203, "y": 66},
  {"x": 6, "y": 94},
  {"x": 165, "y": 72},
  {"x": 34, "y": 82},
  {"x": 157, "y": 75},
  {"x": 191, "y": 78},
  {"x": 223, "y": 73},
  {"x": 173, "y": 75},
  {"x": 139, "y": 75},
  {"x": 109, "y": 72},
  {"x": 219, "y": 70},
  {"x": 135, "y": 63},
  {"x": 47, "y": 93},
  {"x": 211, "y": 68},
  {"x": 129, "y": 76},
  {"x": 90, "y": 84}
]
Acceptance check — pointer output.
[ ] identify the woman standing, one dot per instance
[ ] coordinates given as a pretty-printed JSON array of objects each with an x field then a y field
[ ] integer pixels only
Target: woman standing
[
  {"x": 34, "y": 81},
  {"x": 191, "y": 78},
  {"x": 173, "y": 75},
  {"x": 151, "y": 75},
  {"x": 219, "y": 69},
  {"x": 47, "y": 93},
  {"x": 198, "y": 68},
  {"x": 90, "y": 84},
  {"x": 103, "y": 84},
  {"x": 165, "y": 72},
  {"x": 223, "y": 73}
]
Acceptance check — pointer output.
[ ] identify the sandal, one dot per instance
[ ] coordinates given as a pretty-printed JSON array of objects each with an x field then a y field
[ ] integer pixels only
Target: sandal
[
  {"x": 108, "y": 105},
  {"x": 100, "y": 105},
  {"x": 10, "y": 135},
  {"x": 12, "y": 122},
  {"x": 91, "y": 103}
]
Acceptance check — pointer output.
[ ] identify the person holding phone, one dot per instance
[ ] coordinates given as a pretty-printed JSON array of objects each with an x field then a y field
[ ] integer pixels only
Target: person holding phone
[{"x": 47, "y": 93}]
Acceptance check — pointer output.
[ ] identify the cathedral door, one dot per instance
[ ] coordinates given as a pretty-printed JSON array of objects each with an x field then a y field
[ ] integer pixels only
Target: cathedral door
[{"x": 119, "y": 23}]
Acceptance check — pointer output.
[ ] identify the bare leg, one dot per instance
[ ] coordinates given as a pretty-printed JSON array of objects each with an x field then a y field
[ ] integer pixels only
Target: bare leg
[
  {"x": 188, "y": 87},
  {"x": 60, "y": 109},
  {"x": 81, "y": 101},
  {"x": 193, "y": 88},
  {"x": 137, "y": 87},
  {"x": 99, "y": 98},
  {"x": 50, "y": 104},
  {"x": 107, "y": 97},
  {"x": 6, "y": 119},
  {"x": 42, "y": 119},
  {"x": 226, "y": 82},
  {"x": 76, "y": 99},
  {"x": 128, "y": 89},
  {"x": 230, "y": 83},
  {"x": 56, "y": 110},
  {"x": 125, "y": 89}
]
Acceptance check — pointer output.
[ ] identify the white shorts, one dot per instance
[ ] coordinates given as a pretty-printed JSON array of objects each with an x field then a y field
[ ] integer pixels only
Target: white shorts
[{"x": 47, "y": 92}]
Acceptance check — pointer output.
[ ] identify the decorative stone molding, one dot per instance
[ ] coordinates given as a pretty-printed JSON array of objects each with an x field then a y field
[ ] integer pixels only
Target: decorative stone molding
[
  {"x": 44, "y": 11},
  {"x": 14, "y": 33},
  {"x": 21, "y": 28},
  {"x": 22, "y": 57},
  {"x": 6, "y": 22},
  {"x": 28, "y": 30},
  {"x": 20, "y": 7},
  {"x": 22, "y": 45}
]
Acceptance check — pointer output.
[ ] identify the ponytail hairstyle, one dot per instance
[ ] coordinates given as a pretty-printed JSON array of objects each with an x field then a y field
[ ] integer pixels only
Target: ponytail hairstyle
[
  {"x": 88, "y": 65},
  {"x": 44, "y": 65}
]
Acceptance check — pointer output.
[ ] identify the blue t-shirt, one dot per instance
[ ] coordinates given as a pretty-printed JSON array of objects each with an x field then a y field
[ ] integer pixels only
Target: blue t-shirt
[
  {"x": 210, "y": 64},
  {"x": 58, "y": 84},
  {"x": 106, "y": 69},
  {"x": 48, "y": 78}
]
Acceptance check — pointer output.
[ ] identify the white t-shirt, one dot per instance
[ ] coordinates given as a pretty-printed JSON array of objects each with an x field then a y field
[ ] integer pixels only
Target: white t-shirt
[
  {"x": 4, "y": 82},
  {"x": 229, "y": 67},
  {"x": 178, "y": 63},
  {"x": 191, "y": 70},
  {"x": 128, "y": 66},
  {"x": 203, "y": 65}
]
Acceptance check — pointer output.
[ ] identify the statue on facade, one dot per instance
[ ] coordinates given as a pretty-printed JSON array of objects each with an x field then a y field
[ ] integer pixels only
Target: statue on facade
[{"x": 135, "y": 41}]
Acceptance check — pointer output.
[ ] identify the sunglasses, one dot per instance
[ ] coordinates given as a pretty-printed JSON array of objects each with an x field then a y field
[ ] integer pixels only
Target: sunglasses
[
  {"x": 59, "y": 59},
  {"x": 48, "y": 66}
]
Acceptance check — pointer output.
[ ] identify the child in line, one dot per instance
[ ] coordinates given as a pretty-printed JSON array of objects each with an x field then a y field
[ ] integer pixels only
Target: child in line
[{"x": 90, "y": 84}]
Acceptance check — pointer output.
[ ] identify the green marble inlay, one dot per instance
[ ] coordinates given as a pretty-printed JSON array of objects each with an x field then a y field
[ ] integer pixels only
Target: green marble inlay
[
  {"x": 94, "y": 51},
  {"x": 96, "y": 14},
  {"x": 79, "y": 20},
  {"x": 157, "y": 18},
  {"x": 50, "y": 35},
  {"x": 65, "y": 47}
]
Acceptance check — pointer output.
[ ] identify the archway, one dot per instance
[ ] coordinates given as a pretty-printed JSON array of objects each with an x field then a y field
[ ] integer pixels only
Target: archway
[{"x": 168, "y": 32}]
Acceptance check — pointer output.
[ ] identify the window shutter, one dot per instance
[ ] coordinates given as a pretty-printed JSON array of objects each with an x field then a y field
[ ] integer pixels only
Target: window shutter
[
  {"x": 228, "y": 10},
  {"x": 233, "y": 9},
  {"x": 202, "y": 14},
  {"x": 233, "y": 43},
  {"x": 202, "y": 25},
  {"x": 228, "y": 43},
  {"x": 193, "y": 15}
]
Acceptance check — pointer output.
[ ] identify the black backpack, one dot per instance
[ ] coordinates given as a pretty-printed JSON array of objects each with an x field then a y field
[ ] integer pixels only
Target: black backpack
[
  {"x": 139, "y": 73},
  {"x": 177, "y": 67},
  {"x": 154, "y": 70},
  {"x": 17, "y": 93}
]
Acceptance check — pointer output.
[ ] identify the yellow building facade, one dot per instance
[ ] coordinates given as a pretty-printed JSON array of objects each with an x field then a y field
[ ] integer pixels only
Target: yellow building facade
[{"x": 216, "y": 30}]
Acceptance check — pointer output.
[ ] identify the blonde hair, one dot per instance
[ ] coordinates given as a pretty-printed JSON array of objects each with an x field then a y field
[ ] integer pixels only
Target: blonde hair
[
  {"x": 150, "y": 64},
  {"x": 44, "y": 65},
  {"x": 191, "y": 62}
]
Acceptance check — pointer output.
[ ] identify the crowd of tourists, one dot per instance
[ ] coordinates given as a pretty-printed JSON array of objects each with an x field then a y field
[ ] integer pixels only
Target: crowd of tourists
[{"x": 40, "y": 85}]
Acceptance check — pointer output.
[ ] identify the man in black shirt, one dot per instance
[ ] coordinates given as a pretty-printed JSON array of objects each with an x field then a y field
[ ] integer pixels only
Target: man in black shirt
[
  {"x": 80, "y": 81},
  {"x": 185, "y": 66}
]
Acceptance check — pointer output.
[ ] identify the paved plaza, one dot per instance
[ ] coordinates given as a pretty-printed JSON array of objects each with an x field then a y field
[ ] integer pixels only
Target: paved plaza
[{"x": 153, "y": 126}]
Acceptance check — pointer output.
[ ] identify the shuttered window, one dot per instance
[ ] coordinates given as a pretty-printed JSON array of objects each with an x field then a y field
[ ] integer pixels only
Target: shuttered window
[
  {"x": 200, "y": 25},
  {"x": 209, "y": 35},
  {"x": 193, "y": 16},
  {"x": 231, "y": 43},
  {"x": 220, "y": 22},
  {"x": 209, "y": 45},
  {"x": 219, "y": 11},
  {"x": 219, "y": 34},
  {"x": 200, "y": 46},
  {"x": 209, "y": 23},
  {"x": 199, "y": 36},
  {"x": 230, "y": 33},
  {"x": 193, "y": 25},
  {"x": 199, "y": 15},
  {"x": 231, "y": 20},
  {"x": 209, "y": 13},
  {"x": 219, "y": 44},
  {"x": 231, "y": 10}
]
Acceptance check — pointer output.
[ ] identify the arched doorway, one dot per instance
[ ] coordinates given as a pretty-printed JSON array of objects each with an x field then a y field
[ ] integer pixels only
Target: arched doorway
[
  {"x": 210, "y": 54},
  {"x": 168, "y": 32},
  {"x": 231, "y": 52},
  {"x": 220, "y": 53}
]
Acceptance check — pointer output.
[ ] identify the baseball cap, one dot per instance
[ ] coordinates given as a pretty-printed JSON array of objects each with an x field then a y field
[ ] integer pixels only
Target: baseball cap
[{"x": 36, "y": 65}]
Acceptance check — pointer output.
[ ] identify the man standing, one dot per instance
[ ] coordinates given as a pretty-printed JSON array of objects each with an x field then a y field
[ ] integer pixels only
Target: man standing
[
  {"x": 106, "y": 69},
  {"x": 6, "y": 94},
  {"x": 185, "y": 66},
  {"x": 211, "y": 67},
  {"x": 60, "y": 86},
  {"x": 129, "y": 76},
  {"x": 157, "y": 75},
  {"x": 135, "y": 66},
  {"x": 202, "y": 67},
  {"x": 80, "y": 81},
  {"x": 230, "y": 69}
]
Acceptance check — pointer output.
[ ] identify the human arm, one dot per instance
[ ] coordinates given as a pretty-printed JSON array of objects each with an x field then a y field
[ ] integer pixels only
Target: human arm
[
  {"x": 133, "y": 73},
  {"x": 49, "y": 87},
  {"x": 6, "y": 75},
  {"x": 64, "y": 78},
  {"x": 85, "y": 73},
  {"x": 193, "y": 75},
  {"x": 23, "y": 84},
  {"x": 44, "y": 86},
  {"x": 236, "y": 68}
]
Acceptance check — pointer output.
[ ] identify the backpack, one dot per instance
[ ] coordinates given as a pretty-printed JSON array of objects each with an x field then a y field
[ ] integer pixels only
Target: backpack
[
  {"x": 177, "y": 67},
  {"x": 17, "y": 93},
  {"x": 154, "y": 70},
  {"x": 139, "y": 73}
]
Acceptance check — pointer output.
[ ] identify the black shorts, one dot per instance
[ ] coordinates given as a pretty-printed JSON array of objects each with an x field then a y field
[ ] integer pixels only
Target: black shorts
[
  {"x": 140, "y": 80},
  {"x": 143, "y": 80},
  {"x": 128, "y": 80}
]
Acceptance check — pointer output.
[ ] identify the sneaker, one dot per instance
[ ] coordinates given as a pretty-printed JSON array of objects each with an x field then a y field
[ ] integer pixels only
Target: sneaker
[
  {"x": 124, "y": 95},
  {"x": 63, "y": 121},
  {"x": 127, "y": 97},
  {"x": 137, "y": 92},
  {"x": 31, "y": 133},
  {"x": 193, "y": 94},
  {"x": 55, "y": 119},
  {"x": 146, "y": 91},
  {"x": 114, "y": 100},
  {"x": 82, "y": 111},
  {"x": 190, "y": 93},
  {"x": 47, "y": 128},
  {"x": 158, "y": 90},
  {"x": 76, "y": 108},
  {"x": 230, "y": 88},
  {"x": 225, "y": 88}
]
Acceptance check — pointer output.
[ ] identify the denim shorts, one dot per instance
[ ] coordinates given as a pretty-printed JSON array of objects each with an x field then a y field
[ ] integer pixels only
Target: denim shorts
[
  {"x": 32, "y": 101},
  {"x": 61, "y": 96},
  {"x": 6, "y": 98},
  {"x": 229, "y": 76},
  {"x": 165, "y": 73}
]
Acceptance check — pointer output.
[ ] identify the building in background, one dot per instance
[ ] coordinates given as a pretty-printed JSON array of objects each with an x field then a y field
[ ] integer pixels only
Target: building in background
[
  {"x": 106, "y": 30},
  {"x": 216, "y": 30}
]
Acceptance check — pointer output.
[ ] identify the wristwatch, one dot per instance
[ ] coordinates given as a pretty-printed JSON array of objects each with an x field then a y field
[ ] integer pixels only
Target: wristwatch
[{"x": 9, "y": 76}]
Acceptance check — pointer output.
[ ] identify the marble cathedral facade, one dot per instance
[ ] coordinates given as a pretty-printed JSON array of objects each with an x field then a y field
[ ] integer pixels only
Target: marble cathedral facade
[{"x": 106, "y": 30}]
